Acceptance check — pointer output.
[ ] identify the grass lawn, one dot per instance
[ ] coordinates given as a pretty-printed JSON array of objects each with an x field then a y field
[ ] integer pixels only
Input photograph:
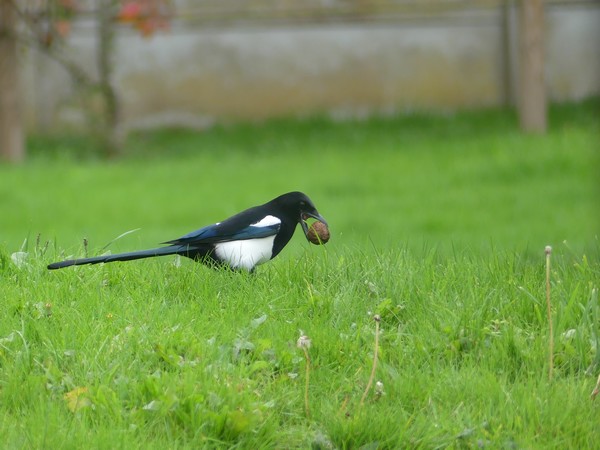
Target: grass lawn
[{"x": 438, "y": 225}]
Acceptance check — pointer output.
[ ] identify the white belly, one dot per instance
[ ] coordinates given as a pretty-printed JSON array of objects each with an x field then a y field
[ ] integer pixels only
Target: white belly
[{"x": 247, "y": 253}]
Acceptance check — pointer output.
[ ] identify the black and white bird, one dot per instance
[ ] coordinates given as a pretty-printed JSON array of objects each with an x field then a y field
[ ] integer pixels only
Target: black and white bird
[{"x": 243, "y": 241}]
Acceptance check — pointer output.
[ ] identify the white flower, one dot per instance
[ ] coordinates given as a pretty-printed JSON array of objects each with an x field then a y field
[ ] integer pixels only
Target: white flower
[
  {"x": 569, "y": 334},
  {"x": 19, "y": 259}
]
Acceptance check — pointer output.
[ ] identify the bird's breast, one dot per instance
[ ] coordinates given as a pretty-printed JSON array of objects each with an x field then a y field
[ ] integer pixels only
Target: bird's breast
[{"x": 245, "y": 254}]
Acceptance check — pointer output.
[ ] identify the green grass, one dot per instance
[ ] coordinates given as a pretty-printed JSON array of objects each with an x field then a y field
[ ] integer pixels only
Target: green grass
[{"x": 438, "y": 225}]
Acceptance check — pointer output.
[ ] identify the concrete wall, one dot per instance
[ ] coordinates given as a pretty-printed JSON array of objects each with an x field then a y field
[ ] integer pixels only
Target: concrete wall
[{"x": 194, "y": 75}]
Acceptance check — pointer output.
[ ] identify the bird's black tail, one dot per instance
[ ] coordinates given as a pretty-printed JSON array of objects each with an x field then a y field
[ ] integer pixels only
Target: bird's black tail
[{"x": 162, "y": 251}]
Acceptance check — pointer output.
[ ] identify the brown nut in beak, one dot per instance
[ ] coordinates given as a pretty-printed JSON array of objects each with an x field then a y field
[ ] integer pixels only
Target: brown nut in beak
[{"x": 318, "y": 233}]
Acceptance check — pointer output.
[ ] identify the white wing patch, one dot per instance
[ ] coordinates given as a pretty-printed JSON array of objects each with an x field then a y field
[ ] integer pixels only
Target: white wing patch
[
  {"x": 247, "y": 253},
  {"x": 266, "y": 222}
]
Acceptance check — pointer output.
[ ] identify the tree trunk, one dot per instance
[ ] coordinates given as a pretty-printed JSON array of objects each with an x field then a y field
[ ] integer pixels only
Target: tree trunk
[
  {"x": 11, "y": 129},
  {"x": 532, "y": 89},
  {"x": 105, "y": 49}
]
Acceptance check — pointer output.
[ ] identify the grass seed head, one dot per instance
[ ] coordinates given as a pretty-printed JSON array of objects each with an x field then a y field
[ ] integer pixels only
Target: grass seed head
[{"x": 303, "y": 342}]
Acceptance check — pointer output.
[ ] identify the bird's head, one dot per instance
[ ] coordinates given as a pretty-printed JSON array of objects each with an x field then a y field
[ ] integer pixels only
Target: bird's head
[{"x": 300, "y": 207}]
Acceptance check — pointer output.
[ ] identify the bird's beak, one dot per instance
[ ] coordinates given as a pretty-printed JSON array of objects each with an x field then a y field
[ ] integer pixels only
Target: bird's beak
[{"x": 305, "y": 215}]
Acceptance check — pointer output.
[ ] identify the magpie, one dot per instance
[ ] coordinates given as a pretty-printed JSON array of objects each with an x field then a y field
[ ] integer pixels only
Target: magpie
[{"x": 243, "y": 241}]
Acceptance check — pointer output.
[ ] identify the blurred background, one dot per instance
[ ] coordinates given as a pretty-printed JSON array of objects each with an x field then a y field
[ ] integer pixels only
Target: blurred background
[
  {"x": 156, "y": 63},
  {"x": 108, "y": 77}
]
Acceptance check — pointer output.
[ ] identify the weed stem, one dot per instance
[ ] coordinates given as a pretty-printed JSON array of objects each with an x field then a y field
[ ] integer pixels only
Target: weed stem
[
  {"x": 304, "y": 343},
  {"x": 306, "y": 382},
  {"x": 377, "y": 319},
  {"x": 596, "y": 389},
  {"x": 548, "y": 251}
]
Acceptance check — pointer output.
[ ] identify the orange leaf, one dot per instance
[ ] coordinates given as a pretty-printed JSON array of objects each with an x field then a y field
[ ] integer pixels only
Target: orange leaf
[
  {"x": 130, "y": 11},
  {"x": 62, "y": 27}
]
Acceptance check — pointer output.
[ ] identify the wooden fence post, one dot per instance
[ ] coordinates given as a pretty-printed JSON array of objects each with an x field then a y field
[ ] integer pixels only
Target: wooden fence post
[
  {"x": 11, "y": 129},
  {"x": 532, "y": 89}
]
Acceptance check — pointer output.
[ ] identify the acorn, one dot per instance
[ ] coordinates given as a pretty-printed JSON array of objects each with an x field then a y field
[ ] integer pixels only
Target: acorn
[{"x": 318, "y": 233}]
